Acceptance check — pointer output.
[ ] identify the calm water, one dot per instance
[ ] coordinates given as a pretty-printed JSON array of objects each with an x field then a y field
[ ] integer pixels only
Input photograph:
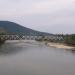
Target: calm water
[{"x": 35, "y": 59}]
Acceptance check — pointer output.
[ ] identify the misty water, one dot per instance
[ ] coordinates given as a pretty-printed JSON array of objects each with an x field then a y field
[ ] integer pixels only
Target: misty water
[{"x": 26, "y": 58}]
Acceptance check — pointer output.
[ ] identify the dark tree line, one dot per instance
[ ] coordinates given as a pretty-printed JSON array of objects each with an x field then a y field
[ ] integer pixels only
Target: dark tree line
[
  {"x": 2, "y": 41},
  {"x": 67, "y": 39},
  {"x": 70, "y": 39}
]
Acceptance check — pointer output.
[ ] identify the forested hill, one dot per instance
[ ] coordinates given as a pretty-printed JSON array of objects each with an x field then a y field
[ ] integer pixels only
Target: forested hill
[{"x": 14, "y": 28}]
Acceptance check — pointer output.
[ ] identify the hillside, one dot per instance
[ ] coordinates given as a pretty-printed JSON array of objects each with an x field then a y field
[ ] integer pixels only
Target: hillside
[
  {"x": 13, "y": 28},
  {"x": 2, "y": 30}
]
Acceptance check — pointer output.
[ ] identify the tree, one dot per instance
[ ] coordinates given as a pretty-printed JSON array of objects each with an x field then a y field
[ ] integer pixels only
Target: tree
[{"x": 70, "y": 39}]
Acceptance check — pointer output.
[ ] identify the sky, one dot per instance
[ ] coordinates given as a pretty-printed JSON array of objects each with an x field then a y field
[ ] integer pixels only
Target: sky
[{"x": 53, "y": 16}]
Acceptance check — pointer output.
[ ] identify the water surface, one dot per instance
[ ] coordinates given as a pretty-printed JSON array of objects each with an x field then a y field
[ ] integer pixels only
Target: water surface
[{"x": 35, "y": 59}]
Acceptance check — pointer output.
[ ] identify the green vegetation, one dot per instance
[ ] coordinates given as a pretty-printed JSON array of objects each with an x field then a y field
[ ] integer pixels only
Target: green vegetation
[
  {"x": 2, "y": 41},
  {"x": 67, "y": 39},
  {"x": 70, "y": 39},
  {"x": 14, "y": 28}
]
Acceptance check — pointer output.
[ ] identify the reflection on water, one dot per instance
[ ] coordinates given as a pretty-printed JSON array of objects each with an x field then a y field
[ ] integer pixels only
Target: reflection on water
[
  {"x": 35, "y": 59},
  {"x": 9, "y": 49},
  {"x": 72, "y": 51}
]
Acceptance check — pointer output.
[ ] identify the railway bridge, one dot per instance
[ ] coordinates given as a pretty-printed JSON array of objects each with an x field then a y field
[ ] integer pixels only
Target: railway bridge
[
  {"x": 19, "y": 37},
  {"x": 25, "y": 37}
]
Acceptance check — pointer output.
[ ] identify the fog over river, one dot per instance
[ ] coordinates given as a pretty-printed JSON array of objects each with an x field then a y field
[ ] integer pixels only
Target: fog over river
[{"x": 33, "y": 58}]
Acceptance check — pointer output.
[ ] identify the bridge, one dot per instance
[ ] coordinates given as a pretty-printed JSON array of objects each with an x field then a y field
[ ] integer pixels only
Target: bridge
[
  {"x": 19, "y": 37},
  {"x": 25, "y": 37}
]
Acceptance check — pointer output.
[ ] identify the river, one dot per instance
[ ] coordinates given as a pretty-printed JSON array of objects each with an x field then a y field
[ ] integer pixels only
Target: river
[{"x": 32, "y": 58}]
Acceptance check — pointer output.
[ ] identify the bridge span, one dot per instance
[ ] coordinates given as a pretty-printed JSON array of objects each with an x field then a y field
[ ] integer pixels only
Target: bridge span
[
  {"x": 19, "y": 37},
  {"x": 25, "y": 37}
]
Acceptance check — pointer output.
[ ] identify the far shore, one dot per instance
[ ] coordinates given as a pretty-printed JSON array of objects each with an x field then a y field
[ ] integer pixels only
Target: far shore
[
  {"x": 60, "y": 45},
  {"x": 50, "y": 44}
]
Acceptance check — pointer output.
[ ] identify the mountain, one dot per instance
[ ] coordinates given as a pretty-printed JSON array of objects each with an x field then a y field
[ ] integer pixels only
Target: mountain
[
  {"x": 2, "y": 30},
  {"x": 13, "y": 28}
]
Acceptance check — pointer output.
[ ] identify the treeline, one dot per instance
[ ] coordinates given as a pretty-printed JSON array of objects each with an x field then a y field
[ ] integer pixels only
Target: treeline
[
  {"x": 66, "y": 39},
  {"x": 69, "y": 39},
  {"x": 2, "y": 41}
]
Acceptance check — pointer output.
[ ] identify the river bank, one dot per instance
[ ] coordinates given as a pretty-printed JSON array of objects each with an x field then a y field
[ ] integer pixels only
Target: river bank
[
  {"x": 50, "y": 44},
  {"x": 60, "y": 45},
  {"x": 2, "y": 41}
]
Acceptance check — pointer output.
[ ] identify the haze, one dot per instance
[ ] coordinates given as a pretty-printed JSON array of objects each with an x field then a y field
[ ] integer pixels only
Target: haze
[{"x": 53, "y": 16}]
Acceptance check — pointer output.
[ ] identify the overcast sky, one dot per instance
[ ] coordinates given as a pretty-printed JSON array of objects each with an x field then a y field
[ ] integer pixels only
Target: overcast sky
[{"x": 53, "y": 16}]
